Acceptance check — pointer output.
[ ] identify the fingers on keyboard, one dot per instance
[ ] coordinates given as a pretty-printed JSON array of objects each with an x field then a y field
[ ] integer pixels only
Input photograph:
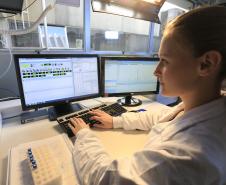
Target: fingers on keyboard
[
  {"x": 95, "y": 112},
  {"x": 98, "y": 125},
  {"x": 95, "y": 118}
]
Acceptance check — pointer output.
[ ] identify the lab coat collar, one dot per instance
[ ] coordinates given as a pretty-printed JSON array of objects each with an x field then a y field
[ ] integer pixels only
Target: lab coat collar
[{"x": 195, "y": 116}]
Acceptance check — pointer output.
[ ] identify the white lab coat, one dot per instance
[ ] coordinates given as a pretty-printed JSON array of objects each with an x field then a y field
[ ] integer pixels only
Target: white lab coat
[{"x": 189, "y": 150}]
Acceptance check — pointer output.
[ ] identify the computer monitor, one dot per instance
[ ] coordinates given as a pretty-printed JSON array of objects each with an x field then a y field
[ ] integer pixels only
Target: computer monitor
[
  {"x": 11, "y": 6},
  {"x": 56, "y": 80},
  {"x": 127, "y": 76}
]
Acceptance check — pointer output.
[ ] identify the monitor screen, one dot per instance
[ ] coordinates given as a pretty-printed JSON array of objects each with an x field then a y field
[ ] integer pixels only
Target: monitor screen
[
  {"x": 11, "y": 6},
  {"x": 125, "y": 75},
  {"x": 50, "y": 79}
]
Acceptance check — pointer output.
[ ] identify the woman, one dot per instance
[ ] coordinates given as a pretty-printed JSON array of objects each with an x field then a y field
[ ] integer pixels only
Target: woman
[{"x": 186, "y": 145}]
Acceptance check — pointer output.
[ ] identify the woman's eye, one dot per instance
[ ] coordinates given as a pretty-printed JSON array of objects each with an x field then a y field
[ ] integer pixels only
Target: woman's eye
[{"x": 163, "y": 61}]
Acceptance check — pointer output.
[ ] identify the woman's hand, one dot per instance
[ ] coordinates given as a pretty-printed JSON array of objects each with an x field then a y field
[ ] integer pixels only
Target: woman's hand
[
  {"x": 77, "y": 124},
  {"x": 105, "y": 119}
]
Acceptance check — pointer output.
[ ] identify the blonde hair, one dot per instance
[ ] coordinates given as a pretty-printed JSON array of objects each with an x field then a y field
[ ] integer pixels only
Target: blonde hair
[{"x": 204, "y": 29}]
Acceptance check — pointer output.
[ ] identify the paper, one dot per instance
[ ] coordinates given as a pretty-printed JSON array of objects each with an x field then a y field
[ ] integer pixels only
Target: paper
[{"x": 19, "y": 172}]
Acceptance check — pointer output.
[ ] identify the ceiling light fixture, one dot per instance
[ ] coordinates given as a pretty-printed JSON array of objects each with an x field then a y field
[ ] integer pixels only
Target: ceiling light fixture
[{"x": 140, "y": 9}]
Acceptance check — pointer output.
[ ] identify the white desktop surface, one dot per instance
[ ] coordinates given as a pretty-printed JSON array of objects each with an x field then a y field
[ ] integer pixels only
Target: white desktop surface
[{"x": 117, "y": 142}]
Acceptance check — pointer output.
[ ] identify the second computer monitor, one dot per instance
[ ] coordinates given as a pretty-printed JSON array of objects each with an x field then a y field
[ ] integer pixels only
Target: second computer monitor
[{"x": 126, "y": 76}]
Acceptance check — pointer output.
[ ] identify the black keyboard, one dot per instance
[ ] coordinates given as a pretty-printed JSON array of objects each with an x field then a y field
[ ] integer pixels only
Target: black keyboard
[{"x": 113, "y": 109}]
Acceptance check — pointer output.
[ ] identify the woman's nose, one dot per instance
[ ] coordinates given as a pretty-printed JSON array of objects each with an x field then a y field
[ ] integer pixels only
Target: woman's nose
[{"x": 157, "y": 71}]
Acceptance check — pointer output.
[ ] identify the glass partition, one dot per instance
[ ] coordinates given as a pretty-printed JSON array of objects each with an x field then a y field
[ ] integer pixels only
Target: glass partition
[{"x": 133, "y": 34}]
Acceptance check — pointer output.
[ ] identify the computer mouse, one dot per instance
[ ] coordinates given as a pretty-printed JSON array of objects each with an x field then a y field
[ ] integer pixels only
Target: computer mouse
[{"x": 139, "y": 110}]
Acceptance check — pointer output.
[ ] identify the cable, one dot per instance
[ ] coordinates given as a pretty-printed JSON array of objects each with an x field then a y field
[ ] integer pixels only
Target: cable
[
  {"x": 22, "y": 10},
  {"x": 29, "y": 5},
  {"x": 32, "y": 28}
]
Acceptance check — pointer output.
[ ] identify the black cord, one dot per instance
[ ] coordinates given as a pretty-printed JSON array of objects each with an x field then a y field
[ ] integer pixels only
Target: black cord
[
  {"x": 8, "y": 90},
  {"x": 22, "y": 10}
]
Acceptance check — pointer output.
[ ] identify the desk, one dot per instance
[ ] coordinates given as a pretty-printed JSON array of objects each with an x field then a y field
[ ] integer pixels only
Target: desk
[{"x": 13, "y": 133}]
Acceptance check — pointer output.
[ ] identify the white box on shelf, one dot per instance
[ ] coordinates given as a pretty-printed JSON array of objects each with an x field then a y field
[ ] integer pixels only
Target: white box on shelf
[{"x": 10, "y": 108}]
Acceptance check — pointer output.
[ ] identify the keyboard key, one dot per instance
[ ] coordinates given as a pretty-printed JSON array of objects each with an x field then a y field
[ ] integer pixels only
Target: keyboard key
[
  {"x": 83, "y": 112},
  {"x": 71, "y": 116}
]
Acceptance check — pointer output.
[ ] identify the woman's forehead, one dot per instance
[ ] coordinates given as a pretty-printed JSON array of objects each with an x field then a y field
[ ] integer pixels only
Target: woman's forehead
[
  {"x": 168, "y": 45},
  {"x": 174, "y": 44}
]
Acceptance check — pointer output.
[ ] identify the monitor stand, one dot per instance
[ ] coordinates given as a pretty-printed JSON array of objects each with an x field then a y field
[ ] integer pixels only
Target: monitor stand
[
  {"x": 63, "y": 109},
  {"x": 129, "y": 101}
]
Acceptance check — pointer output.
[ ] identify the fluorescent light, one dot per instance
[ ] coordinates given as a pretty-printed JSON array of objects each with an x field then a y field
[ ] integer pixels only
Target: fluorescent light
[
  {"x": 123, "y": 11},
  {"x": 140, "y": 9},
  {"x": 168, "y": 6},
  {"x": 111, "y": 34},
  {"x": 97, "y": 5},
  {"x": 153, "y": 1}
]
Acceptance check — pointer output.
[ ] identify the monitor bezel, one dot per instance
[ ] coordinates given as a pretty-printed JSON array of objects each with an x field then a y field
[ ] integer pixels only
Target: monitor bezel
[
  {"x": 60, "y": 101},
  {"x": 13, "y": 10},
  {"x": 123, "y": 58}
]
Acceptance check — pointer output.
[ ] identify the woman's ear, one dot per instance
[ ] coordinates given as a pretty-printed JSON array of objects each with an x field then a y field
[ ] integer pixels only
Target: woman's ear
[{"x": 210, "y": 63}]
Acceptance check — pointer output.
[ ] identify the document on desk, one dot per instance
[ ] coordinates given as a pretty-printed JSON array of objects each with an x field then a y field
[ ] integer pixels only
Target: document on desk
[{"x": 18, "y": 170}]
